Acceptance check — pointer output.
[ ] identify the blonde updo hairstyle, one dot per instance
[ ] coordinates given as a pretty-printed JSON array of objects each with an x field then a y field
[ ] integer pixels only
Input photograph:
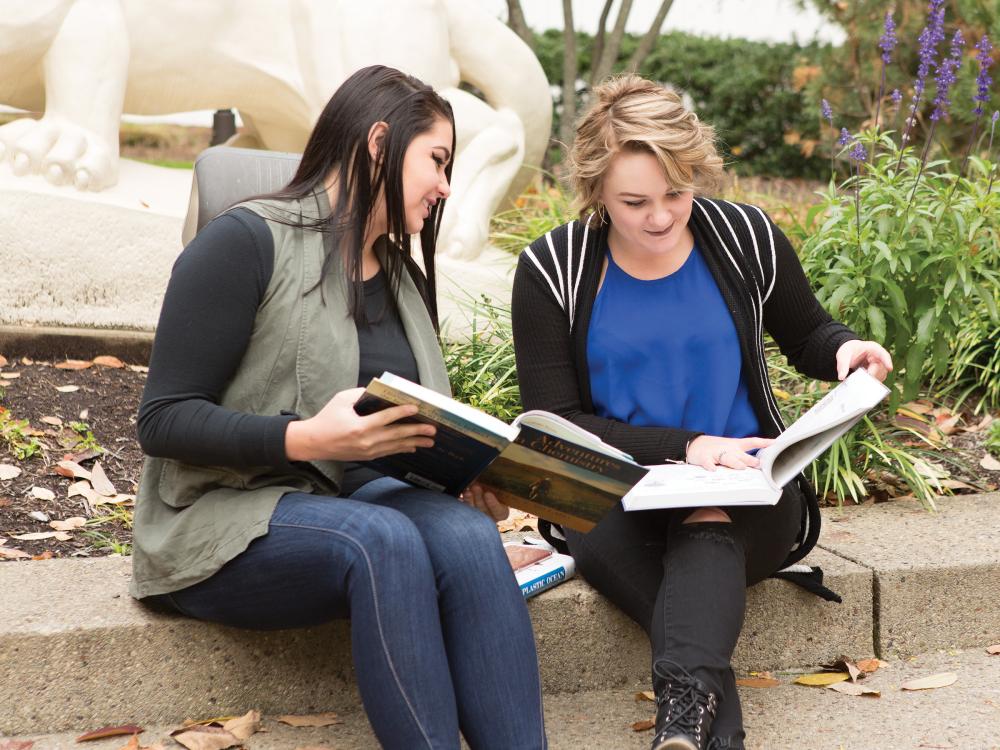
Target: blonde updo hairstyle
[{"x": 629, "y": 113}]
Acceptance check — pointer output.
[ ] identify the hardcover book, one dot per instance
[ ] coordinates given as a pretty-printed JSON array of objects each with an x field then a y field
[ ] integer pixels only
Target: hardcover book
[
  {"x": 686, "y": 485},
  {"x": 541, "y": 464},
  {"x": 537, "y": 566}
]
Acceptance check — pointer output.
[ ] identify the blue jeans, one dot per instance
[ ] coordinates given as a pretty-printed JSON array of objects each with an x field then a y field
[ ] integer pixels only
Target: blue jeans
[{"x": 440, "y": 633}]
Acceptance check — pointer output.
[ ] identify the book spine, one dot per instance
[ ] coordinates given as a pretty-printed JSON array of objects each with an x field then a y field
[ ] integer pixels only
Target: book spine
[{"x": 545, "y": 581}]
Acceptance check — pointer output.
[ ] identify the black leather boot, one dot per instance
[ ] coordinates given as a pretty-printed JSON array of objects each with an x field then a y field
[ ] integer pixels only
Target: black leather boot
[{"x": 685, "y": 709}]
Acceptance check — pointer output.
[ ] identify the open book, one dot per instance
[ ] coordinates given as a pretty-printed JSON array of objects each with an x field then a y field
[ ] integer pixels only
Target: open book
[
  {"x": 541, "y": 464},
  {"x": 684, "y": 485}
]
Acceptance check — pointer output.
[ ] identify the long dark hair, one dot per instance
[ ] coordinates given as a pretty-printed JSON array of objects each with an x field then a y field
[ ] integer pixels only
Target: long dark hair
[{"x": 339, "y": 144}]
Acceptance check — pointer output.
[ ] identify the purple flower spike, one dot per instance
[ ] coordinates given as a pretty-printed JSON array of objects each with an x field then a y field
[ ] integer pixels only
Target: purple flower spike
[
  {"x": 887, "y": 42},
  {"x": 858, "y": 153},
  {"x": 983, "y": 80},
  {"x": 896, "y": 98},
  {"x": 824, "y": 107},
  {"x": 996, "y": 116},
  {"x": 845, "y": 137},
  {"x": 930, "y": 37},
  {"x": 945, "y": 77}
]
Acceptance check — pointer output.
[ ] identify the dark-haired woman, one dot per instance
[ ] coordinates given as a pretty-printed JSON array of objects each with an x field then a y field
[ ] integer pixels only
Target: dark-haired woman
[{"x": 254, "y": 509}]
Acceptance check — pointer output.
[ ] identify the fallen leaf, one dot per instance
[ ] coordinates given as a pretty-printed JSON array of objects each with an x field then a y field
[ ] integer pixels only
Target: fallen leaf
[
  {"x": 72, "y": 469},
  {"x": 39, "y": 516},
  {"x": 46, "y": 555},
  {"x": 843, "y": 664},
  {"x": 3, "y": 361},
  {"x": 645, "y": 695},
  {"x": 74, "y": 364},
  {"x": 132, "y": 744},
  {"x": 313, "y": 747},
  {"x": 10, "y": 375},
  {"x": 138, "y": 368},
  {"x": 100, "y": 734},
  {"x": 83, "y": 455},
  {"x": 244, "y": 726},
  {"x": 218, "y": 721},
  {"x": 956, "y": 484},
  {"x": 40, "y": 493},
  {"x": 27, "y": 361},
  {"x": 8, "y": 553},
  {"x": 68, "y": 524},
  {"x": 868, "y": 666},
  {"x": 102, "y": 485},
  {"x": 989, "y": 463},
  {"x": 8, "y": 472},
  {"x": 943, "y": 679},
  {"x": 854, "y": 688},
  {"x": 822, "y": 679},
  {"x": 918, "y": 407},
  {"x": 54, "y": 421},
  {"x": 81, "y": 488},
  {"x": 758, "y": 682},
  {"x": 205, "y": 738},
  {"x": 644, "y": 725},
  {"x": 35, "y": 536},
  {"x": 15, "y": 744},
  {"x": 993, "y": 650},
  {"x": 311, "y": 720},
  {"x": 949, "y": 425},
  {"x": 84, "y": 414},
  {"x": 67, "y": 388},
  {"x": 108, "y": 361}
]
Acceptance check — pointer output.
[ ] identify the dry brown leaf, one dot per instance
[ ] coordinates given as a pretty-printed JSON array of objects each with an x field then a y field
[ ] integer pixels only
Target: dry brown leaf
[
  {"x": 917, "y": 407},
  {"x": 758, "y": 682},
  {"x": 132, "y": 744},
  {"x": 310, "y": 720},
  {"x": 138, "y": 368},
  {"x": 314, "y": 747},
  {"x": 72, "y": 470},
  {"x": 205, "y": 738},
  {"x": 3, "y": 361},
  {"x": 644, "y": 726},
  {"x": 244, "y": 726},
  {"x": 68, "y": 524},
  {"x": 868, "y": 666},
  {"x": 100, "y": 734},
  {"x": 83, "y": 455},
  {"x": 854, "y": 688},
  {"x": 645, "y": 695},
  {"x": 942, "y": 679},
  {"x": 8, "y": 472},
  {"x": 35, "y": 536},
  {"x": 990, "y": 463},
  {"x": 67, "y": 388},
  {"x": 40, "y": 493},
  {"x": 74, "y": 364},
  {"x": 106, "y": 360},
  {"x": 218, "y": 721},
  {"x": 16, "y": 744},
  {"x": 844, "y": 664},
  {"x": 81, "y": 488},
  {"x": 9, "y": 553},
  {"x": 54, "y": 421},
  {"x": 10, "y": 375},
  {"x": 102, "y": 485},
  {"x": 46, "y": 555},
  {"x": 993, "y": 650},
  {"x": 822, "y": 679},
  {"x": 949, "y": 425}
]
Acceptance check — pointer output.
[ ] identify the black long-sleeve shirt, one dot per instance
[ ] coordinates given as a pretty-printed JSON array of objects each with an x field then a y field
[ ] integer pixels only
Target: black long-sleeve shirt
[{"x": 208, "y": 314}]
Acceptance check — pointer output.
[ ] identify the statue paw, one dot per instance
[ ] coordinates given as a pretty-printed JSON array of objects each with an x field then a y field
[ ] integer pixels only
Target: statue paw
[{"x": 61, "y": 151}]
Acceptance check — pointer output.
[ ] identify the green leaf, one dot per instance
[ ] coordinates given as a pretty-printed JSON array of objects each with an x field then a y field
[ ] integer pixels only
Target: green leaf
[
  {"x": 876, "y": 319},
  {"x": 949, "y": 285},
  {"x": 925, "y": 327}
]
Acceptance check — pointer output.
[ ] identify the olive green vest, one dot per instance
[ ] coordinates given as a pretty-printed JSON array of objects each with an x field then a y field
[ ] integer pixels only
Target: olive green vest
[{"x": 190, "y": 520}]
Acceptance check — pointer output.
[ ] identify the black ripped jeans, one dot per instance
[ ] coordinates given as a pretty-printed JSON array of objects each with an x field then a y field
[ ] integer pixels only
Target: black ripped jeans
[{"x": 685, "y": 584}]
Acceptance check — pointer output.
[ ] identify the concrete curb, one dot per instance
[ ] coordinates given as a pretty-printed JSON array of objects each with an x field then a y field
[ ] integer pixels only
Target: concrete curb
[
  {"x": 76, "y": 649},
  {"x": 57, "y": 343}
]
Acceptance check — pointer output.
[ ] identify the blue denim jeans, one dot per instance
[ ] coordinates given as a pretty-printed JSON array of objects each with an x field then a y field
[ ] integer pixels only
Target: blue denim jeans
[{"x": 440, "y": 634}]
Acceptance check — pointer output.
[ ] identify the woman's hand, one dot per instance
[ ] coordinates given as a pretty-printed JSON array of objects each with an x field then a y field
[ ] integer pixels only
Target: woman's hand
[
  {"x": 709, "y": 451},
  {"x": 339, "y": 433},
  {"x": 487, "y": 502},
  {"x": 867, "y": 354}
]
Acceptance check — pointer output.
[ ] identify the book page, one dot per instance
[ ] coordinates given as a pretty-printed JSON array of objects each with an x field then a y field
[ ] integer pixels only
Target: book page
[
  {"x": 562, "y": 428},
  {"x": 818, "y": 428},
  {"x": 688, "y": 485}
]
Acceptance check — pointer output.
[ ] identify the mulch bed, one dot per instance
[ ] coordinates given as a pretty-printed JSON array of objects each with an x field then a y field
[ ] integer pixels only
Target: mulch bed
[{"x": 31, "y": 409}]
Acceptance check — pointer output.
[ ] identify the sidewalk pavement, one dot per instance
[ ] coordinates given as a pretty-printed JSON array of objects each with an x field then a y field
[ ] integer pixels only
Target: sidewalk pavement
[{"x": 77, "y": 653}]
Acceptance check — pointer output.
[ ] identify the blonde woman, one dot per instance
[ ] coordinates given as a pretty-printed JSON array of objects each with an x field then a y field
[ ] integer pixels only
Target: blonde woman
[{"x": 643, "y": 322}]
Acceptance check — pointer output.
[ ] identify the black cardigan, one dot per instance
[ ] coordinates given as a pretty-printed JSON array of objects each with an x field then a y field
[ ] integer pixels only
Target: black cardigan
[{"x": 761, "y": 280}]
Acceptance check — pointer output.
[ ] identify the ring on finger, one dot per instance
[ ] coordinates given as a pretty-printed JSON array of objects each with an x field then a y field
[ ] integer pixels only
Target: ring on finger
[{"x": 718, "y": 459}]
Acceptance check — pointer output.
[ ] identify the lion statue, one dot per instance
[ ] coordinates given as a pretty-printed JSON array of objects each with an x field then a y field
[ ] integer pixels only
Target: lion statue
[{"x": 85, "y": 62}]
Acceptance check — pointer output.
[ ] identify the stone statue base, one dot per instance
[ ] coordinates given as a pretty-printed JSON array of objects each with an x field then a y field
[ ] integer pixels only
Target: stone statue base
[
  {"x": 90, "y": 259},
  {"x": 75, "y": 259}
]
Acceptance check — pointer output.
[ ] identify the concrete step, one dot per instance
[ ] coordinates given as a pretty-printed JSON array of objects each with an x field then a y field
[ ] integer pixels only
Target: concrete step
[
  {"x": 75, "y": 648},
  {"x": 963, "y": 716}
]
